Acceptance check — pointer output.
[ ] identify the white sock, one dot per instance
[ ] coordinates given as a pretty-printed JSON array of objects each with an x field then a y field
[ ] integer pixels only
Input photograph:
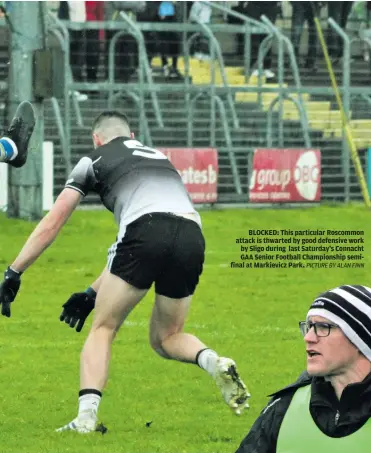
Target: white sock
[
  {"x": 88, "y": 406},
  {"x": 207, "y": 360},
  {"x": 8, "y": 149}
]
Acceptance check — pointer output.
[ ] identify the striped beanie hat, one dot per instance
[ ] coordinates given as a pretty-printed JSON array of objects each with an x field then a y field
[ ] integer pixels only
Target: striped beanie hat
[{"x": 349, "y": 307}]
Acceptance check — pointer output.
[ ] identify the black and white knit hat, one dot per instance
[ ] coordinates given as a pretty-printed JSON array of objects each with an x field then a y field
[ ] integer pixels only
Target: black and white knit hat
[{"x": 349, "y": 307}]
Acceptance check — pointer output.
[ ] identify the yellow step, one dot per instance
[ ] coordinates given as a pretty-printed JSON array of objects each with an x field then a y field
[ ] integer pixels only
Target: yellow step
[
  {"x": 320, "y": 125},
  {"x": 323, "y": 124},
  {"x": 196, "y": 64},
  {"x": 237, "y": 80},
  {"x": 267, "y": 98},
  {"x": 312, "y": 106},
  {"x": 276, "y": 85},
  {"x": 253, "y": 80},
  {"x": 362, "y": 143},
  {"x": 325, "y": 117},
  {"x": 308, "y": 105},
  {"x": 357, "y": 134},
  {"x": 234, "y": 70},
  {"x": 206, "y": 80},
  {"x": 361, "y": 124},
  {"x": 232, "y": 79},
  {"x": 193, "y": 63},
  {"x": 362, "y": 134}
]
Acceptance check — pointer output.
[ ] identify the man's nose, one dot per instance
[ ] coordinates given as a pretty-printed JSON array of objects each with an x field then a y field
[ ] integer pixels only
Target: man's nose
[{"x": 310, "y": 336}]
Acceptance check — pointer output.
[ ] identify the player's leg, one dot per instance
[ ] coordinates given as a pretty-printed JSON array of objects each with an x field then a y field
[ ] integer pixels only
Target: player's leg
[
  {"x": 174, "y": 289},
  {"x": 123, "y": 285},
  {"x": 166, "y": 330},
  {"x": 115, "y": 300},
  {"x": 14, "y": 146},
  {"x": 168, "y": 340}
]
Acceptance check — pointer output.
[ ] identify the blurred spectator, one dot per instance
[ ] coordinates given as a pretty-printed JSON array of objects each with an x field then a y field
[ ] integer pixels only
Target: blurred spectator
[
  {"x": 339, "y": 11},
  {"x": 303, "y": 12},
  {"x": 359, "y": 25},
  {"x": 126, "y": 49},
  {"x": 53, "y": 7},
  {"x": 201, "y": 13},
  {"x": 75, "y": 12},
  {"x": 170, "y": 40},
  {"x": 64, "y": 10},
  {"x": 94, "y": 12},
  {"x": 149, "y": 14},
  {"x": 255, "y": 10},
  {"x": 239, "y": 7}
]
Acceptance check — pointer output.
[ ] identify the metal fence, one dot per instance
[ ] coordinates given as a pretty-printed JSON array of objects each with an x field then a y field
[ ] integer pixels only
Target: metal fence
[{"x": 214, "y": 104}]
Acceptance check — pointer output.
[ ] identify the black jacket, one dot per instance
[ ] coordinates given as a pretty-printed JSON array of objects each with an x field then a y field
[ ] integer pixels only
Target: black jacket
[{"x": 335, "y": 418}]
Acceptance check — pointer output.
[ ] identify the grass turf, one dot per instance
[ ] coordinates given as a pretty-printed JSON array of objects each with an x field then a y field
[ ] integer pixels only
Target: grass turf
[{"x": 250, "y": 315}]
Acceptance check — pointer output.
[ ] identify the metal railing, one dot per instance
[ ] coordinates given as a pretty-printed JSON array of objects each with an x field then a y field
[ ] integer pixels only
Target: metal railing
[
  {"x": 302, "y": 117},
  {"x": 250, "y": 26},
  {"x": 264, "y": 48},
  {"x": 144, "y": 67},
  {"x": 295, "y": 71},
  {"x": 144, "y": 120},
  {"x": 227, "y": 135},
  {"x": 216, "y": 56},
  {"x": 66, "y": 149},
  {"x": 346, "y": 159},
  {"x": 284, "y": 93},
  {"x": 60, "y": 36}
]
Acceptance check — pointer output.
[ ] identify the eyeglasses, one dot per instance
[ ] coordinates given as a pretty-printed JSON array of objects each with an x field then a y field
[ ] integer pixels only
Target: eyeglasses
[{"x": 321, "y": 329}]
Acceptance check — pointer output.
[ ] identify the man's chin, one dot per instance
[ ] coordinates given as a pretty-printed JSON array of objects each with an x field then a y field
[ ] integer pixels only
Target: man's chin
[{"x": 316, "y": 371}]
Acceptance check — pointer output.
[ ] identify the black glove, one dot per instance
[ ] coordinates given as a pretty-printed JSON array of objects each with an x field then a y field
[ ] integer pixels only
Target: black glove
[
  {"x": 9, "y": 289},
  {"x": 77, "y": 308}
]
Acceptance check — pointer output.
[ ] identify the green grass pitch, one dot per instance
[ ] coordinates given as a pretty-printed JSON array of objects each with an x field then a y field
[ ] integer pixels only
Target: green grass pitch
[{"x": 250, "y": 315}]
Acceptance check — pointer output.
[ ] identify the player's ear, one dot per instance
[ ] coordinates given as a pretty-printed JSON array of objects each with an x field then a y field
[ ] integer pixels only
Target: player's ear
[
  {"x": 132, "y": 135},
  {"x": 97, "y": 141}
]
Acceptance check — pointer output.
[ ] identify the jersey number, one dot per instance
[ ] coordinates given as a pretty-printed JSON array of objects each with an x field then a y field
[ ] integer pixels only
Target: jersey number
[{"x": 144, "y": 151}]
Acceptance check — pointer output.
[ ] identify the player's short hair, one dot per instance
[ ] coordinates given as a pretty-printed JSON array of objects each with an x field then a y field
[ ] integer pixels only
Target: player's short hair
[{"x": 107, "y": 115}]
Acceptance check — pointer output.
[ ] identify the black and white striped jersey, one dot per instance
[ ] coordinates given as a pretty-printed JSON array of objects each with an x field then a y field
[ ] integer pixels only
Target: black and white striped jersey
[{"x": 131, "y": 180}]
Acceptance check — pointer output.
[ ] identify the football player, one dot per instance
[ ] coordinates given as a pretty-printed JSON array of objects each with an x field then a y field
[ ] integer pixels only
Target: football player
[{"x": 159, "y": 241}]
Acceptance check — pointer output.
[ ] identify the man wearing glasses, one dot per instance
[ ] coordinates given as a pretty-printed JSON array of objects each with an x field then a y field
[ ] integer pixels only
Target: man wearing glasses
[{"x": 329, "y": 407}]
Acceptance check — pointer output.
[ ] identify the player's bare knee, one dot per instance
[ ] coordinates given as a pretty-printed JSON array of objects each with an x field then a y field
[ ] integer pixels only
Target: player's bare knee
[
  {"x": 157, "y": 344},
  {"x": 161, "y": 352}
]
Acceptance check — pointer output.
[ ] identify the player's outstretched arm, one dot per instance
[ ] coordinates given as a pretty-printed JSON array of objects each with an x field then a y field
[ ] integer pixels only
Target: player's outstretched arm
[
  {"x": 79, "y": 306},
  {"x": 40, "y": 239}
]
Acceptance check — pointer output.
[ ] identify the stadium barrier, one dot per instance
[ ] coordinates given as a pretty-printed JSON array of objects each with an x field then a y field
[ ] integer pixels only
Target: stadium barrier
[
  {"x": 285, "y": 176},
  {"x": 47, "y": 179},
  {"x": 268, "y": 114},
  {"x": 198, "y": 168}
]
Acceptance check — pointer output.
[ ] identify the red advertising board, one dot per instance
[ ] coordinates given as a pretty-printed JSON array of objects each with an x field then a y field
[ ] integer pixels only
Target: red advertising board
[
  {"x": 198, "y": 168},
  {"x": 285, "y": 176}
]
